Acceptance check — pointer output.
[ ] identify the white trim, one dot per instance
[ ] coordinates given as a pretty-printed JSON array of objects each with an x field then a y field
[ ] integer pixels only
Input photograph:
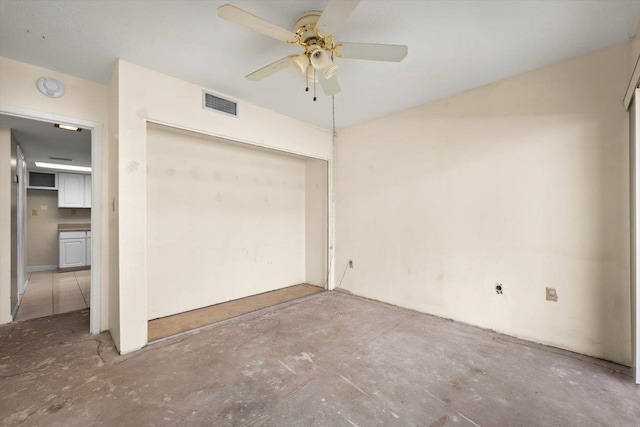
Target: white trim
[
  {"x": 15, "y": 309},
  {"x": 633, "y": 84},
  {"x": 96, "y": 196},
  {"x": 22, "y": 204},
  {"x": 331, "y": 255},
  {"x": 634, "y": 172},
  {"x": 34, "y": 268},
  {"x": 26, "y": 284},
  {"x": 96, "y": 228}
]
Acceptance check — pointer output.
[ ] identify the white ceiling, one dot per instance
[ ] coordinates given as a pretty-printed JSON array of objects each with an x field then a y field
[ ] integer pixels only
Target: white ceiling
[
  {"x": 40, "y": 141},
  {"x": 453, "y": 45}
]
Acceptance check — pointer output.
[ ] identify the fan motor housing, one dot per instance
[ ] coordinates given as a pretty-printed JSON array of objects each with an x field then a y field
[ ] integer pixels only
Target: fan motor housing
[{"x": 305, "y": 26}]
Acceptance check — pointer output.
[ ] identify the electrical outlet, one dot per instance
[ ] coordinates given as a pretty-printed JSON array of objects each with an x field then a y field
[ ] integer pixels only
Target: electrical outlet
[
  {"x": 552, "y": 295},
  {"x": 350, "y": 263}
]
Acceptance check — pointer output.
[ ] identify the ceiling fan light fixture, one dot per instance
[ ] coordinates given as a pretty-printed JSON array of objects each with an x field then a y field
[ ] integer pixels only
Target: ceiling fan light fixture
[
  {"x": 314, "y": 32},
  {"x": 321, "y": 62},
  {"x": 300, "y": 63}
]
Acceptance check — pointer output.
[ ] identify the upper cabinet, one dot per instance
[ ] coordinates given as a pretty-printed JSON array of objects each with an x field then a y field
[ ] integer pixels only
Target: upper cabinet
[
  {"x": 74, "y": 190},
  {"x": 43, "y": 180}
]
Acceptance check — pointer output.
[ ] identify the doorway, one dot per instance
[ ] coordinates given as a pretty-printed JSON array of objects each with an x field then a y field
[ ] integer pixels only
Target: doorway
[{"x": 83, "y": 284}]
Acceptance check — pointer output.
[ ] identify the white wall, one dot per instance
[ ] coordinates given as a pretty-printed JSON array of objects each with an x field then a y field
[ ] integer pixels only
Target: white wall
[
  {"x": 316, "y": 224},
  {"x": 224, "y": 221},
  {"x": 145, "y": 95},
  {"x": 522, "y": 182},
  {"x": 83, "y": 100},
  {"x": 5, "y": 225}
]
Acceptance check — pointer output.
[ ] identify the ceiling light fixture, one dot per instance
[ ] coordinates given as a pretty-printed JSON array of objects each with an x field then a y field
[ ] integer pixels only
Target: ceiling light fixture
[
  {"x": 321, "y": 62},
  {"x": 313, "y": 32},
  {"x": 58, "y": 166},
  {"x": 50, "y": 87},
  {"x": 67, "y": 127},
  {"x": 299, "y": 63}
]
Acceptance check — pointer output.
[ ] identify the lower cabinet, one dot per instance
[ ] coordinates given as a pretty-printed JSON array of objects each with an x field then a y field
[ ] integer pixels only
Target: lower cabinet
[{"x": 74, "y": 250}]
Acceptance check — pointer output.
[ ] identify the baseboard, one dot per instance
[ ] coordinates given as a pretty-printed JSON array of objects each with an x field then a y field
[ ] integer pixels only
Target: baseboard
[
  {"x": 68, "y": 269},
  {"x": 24, "y": 288},
  {"x": 33, "y": 268},
  {"x": 15, "y": 310}
]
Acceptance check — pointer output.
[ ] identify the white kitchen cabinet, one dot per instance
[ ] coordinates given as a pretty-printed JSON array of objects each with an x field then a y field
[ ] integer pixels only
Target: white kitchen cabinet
[
  {"x": 73, "y": 249},
  {"x": 74, "y": 190},
  {"x": 42, "y": 180}
]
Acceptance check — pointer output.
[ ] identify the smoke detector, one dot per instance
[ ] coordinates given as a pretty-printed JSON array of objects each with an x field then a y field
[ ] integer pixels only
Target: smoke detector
[{"x": 50, "y": 87}]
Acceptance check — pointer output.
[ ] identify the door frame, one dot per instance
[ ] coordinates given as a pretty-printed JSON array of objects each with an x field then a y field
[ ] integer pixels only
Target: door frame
[
  {"x": 634, "y": 172},
  {"x": 21, "y": 225},
  {"x": 96, "y": 198}
]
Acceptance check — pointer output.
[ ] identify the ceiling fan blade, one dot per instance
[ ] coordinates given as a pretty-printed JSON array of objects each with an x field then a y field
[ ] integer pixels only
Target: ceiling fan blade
[
  {"x": 334, "y": 16},
  {"x": 329, "y": 86},
  {"x": 252, "y": 22},
  {"x": 371, "y": 51},
  {"x": 272, "y": 68}
]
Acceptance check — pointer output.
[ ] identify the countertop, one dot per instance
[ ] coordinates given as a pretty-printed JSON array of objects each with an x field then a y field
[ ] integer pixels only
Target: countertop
[{"x": 74, "y": 227}]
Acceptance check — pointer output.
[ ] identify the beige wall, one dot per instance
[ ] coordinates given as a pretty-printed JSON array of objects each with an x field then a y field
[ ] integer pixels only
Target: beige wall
[
  {"x": 316, "y": 224},
  {"x": 43, "y": 217},
  {"x": 83, "y": 100},
  {"x": 5, "y": 225},
  {"x": 224, "y": 221},
  {"x": 145, "y": 95},
  {"x": 522, "y": 182},
  {"x": 112, "y": 208}
]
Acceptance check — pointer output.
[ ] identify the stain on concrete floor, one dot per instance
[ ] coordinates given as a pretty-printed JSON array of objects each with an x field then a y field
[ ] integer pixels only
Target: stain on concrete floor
[{"x": 332, "y": 360}]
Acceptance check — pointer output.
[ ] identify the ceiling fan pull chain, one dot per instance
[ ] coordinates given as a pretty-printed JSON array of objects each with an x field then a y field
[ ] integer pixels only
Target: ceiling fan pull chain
[
  {"x": 306, "y": 79},
  {"x": 314, "y": 85}
]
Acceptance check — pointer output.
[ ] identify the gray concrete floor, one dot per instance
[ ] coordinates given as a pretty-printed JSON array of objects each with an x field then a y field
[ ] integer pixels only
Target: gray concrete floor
[{"x": 331, "y": 360}]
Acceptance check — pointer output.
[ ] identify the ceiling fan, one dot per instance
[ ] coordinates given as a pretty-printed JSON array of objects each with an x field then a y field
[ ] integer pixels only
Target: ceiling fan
[{"x": 313, "y": 31}]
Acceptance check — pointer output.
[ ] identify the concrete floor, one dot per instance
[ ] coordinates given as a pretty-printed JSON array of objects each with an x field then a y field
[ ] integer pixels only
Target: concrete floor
[{"x": 330, "y": 360}]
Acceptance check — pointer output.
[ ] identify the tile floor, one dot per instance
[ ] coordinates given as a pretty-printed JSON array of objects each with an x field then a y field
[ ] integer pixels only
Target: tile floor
[{"x": 50, "y": 292}]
